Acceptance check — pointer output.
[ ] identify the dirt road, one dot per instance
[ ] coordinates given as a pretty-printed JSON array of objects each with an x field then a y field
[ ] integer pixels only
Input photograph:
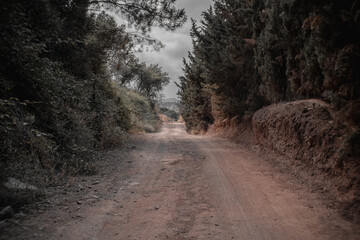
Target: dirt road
[{"x": 193, "y": 187}]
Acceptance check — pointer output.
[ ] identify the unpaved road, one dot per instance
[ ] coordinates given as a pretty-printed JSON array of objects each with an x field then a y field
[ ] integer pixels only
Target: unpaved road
[{"x": 180, "y": 186}]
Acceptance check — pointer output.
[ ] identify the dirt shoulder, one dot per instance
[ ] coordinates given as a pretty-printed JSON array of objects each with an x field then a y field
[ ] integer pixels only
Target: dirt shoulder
[{"x": 70, "y": 200}]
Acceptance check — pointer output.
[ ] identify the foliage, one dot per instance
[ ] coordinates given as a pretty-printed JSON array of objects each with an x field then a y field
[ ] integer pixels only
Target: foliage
[
  {"x": 250, "y": 53},
  {"x": 147, "y": 80},
  {"x": 58, "y": 102},
  {"x": 195, "y": 100},
  {"x": 142, "y": 112},
  {"x": 143, "y": 14}
]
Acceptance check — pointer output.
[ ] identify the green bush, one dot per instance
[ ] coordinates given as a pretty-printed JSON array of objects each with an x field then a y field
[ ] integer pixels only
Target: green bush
[{"x": 142, "y": 112}]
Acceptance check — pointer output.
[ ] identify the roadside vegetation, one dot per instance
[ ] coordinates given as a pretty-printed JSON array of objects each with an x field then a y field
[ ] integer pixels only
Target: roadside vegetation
[
  {"x": 71, "y": 84},
  {"x": 249, "y": 54}
]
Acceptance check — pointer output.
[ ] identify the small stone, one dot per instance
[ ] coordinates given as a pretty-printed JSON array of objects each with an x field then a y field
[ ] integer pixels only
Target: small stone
[{"x": 79, "y": 202}]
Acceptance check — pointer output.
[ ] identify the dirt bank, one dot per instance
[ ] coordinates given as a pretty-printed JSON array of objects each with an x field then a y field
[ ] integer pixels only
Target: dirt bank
[{"x": 306, "y": 139}]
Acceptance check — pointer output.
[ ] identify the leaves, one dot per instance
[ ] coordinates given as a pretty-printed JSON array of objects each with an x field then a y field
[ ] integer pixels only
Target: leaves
[
  {"x": 59, "y": 60},
  {"x": 250, "y": 53}
]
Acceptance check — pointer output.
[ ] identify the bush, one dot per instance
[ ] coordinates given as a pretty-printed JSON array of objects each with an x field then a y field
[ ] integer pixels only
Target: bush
[{"x": 142, "y": 112}]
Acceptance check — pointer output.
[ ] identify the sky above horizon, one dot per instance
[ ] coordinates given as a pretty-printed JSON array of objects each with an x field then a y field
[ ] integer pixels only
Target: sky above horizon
[{"x": 177, "y": 44}]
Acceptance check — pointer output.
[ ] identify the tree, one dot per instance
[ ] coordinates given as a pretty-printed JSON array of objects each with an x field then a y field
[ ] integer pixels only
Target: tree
[
  {"x": 253, "y": 53},
  {"x": 144, "y": 14},
  {"x": 150, "y": 80}
]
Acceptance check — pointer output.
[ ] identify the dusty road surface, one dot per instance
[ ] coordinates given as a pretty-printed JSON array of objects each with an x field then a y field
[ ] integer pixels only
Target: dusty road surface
[{"x": 180, "y": 186}]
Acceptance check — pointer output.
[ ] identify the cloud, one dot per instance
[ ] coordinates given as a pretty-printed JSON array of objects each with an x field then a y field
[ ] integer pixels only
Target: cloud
[
  {"x": 177, "y": 44},
  {"x": 194, "y": 8}
]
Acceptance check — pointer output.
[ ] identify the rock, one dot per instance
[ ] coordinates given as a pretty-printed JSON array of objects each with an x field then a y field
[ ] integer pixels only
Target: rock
[
  {"x": 13, "y": 183},
  {"x": 6, "y": 212},
  {"x": 79, "y": 202},
  {"x": 96, "y": 182}
]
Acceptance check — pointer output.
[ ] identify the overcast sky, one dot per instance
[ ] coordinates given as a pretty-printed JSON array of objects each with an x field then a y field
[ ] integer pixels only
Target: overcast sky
[{"x": 177, "y": 44}]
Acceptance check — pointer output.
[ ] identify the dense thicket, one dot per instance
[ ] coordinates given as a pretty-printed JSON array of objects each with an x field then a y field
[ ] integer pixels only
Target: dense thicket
[
  {"x": 251, "y": 53},
  {"x": 57, "y": 99}
]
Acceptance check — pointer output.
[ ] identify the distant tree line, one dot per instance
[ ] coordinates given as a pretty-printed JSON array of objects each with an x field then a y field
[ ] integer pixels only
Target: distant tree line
[
  {"x": 251, "y": 53},
  {"x": 59, "y": 60}
]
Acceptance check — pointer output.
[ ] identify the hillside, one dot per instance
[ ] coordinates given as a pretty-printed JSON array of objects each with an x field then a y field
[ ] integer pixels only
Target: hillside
[{"x": 170, "y": 103}]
